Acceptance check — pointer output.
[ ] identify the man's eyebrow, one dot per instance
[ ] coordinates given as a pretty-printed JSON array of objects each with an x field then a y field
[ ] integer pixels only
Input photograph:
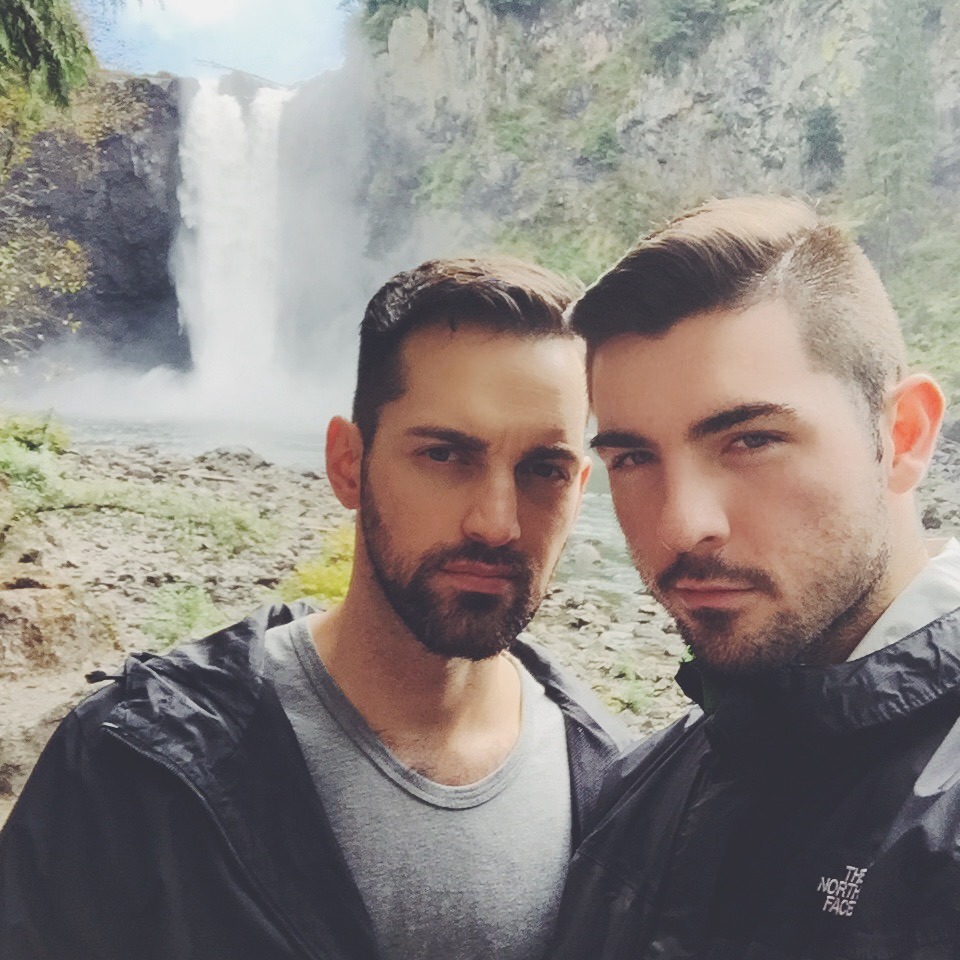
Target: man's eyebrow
[
  {"x": 743, "y": 413},
  {"x": 456, "y": 438},
  {"x": 615, "y": 439},
  {"x": 559, "y": 452}
]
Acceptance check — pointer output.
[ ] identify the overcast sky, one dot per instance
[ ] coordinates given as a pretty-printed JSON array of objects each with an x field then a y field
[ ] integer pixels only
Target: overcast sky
[{"x": 281, "y": 40}]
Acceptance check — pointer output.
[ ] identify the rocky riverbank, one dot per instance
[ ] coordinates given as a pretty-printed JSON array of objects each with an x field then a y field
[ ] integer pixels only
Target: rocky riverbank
[{"x": 141, "y": 548}]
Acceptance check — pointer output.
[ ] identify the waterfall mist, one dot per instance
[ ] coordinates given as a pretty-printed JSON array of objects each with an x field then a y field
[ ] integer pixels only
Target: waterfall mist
[{"x": 272, "y": 265}]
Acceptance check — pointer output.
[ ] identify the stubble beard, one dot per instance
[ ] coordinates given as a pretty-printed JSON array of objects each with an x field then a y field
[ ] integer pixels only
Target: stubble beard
[
  {"x": 830, "y": 615},
  {"x": 472, "y": 626}
]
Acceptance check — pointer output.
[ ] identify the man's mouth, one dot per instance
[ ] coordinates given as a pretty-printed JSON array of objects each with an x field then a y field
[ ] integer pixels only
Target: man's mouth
[
  {"x": 716, "y": 594},
  {"x": 476, "y": 577}
]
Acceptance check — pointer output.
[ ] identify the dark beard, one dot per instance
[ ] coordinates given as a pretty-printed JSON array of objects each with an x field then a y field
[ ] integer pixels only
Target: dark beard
[
  {"x": 837, "y": 613},
  {"x": 473, "y": 626}
]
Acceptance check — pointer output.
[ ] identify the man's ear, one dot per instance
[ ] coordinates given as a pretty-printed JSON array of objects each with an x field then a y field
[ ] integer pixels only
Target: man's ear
[
  {"x": 915, "y": 410},
  {"x": 344, "y": 456}
]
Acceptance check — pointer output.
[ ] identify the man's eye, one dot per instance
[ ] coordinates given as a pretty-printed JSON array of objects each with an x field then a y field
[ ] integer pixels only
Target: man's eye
[
  {"x": 756, "y": 440},
  {"x": 442, "y": 454},
  {"x": 628, "y": 459},
  {"x": 545, "y": 470}
]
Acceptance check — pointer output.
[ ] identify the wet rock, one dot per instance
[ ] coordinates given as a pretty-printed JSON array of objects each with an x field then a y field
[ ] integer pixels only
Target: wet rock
[{"x": 584, "y": 558}]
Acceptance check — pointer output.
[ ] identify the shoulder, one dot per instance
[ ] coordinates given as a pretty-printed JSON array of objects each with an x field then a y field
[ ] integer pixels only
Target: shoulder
[
  {"x": 656, "y": 767},
  {"x": 576, "y": 700}
]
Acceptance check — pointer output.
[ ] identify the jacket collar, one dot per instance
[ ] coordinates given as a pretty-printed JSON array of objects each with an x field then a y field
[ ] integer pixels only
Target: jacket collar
[{"x": 891, "y": 684}]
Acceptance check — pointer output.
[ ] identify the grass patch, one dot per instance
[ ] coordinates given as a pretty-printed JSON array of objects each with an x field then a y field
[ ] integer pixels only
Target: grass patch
[
  {"x": 326, "y": 577},
  {"x": 183, "y": 612},
  {"x": 635, "y": 694},
  {"x": 34, "y": 482}
]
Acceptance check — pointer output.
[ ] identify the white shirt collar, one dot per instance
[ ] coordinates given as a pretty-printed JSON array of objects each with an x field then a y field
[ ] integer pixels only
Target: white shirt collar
[{"x": 933, "y": 592}]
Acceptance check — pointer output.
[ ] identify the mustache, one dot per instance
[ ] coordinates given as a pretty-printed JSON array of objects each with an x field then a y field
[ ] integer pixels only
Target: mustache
[
  {"x": 517, "y": 563},
  {"x": 690, "y": 567}
]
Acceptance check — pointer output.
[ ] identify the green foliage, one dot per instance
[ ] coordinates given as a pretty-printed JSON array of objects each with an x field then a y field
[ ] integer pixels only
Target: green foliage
[
  {"x": 36, "y": 266},
  {"x": 515, "y": 6},
  {"x": 601, "y": 145},
  {"x": 182, "y": 612},
  {"x": 680, "y": 29},
  {"x": 582, "y": 236},
  {"x": 891, "y": 181},
  {"x": 42, "y": 42},
  {"x": 29, "y": 470},
  {"x": 23, "y": 113},
  {"x": 823, "y": 143},
  {"x": 36, "y": 482},
  {"x": 517, "y": 131},
  {"x": 634, "y": 694},
  {"x": 378, "y": 16},
  {"x": 327, "y": 577},
  {"x": 926, "y": 291},
  {"x": 34, "y": 433},
  {"x": 445, "y": 180}
]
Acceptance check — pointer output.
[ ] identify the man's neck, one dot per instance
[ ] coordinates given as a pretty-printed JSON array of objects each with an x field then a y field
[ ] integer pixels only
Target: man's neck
[
  {"x": 451, "y": 719},
  {"x": 905, "y": 563}
]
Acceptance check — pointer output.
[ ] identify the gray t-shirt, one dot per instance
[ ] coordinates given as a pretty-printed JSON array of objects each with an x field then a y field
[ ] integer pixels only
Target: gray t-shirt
[{"x": 469, "y": 872}]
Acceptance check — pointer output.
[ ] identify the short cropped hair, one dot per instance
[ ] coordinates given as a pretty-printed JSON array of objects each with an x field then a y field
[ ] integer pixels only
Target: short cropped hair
[
  {"x": 503, "y": 293},
  {"x": 732, "y": 254}
]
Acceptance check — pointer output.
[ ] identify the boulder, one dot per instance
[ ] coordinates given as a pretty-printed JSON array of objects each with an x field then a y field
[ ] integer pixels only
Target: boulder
[{"x": 46, "y": 624}]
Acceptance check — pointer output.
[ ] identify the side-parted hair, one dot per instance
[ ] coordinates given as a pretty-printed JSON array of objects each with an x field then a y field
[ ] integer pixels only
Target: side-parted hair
[
  {"x": 502, "y": 293},
  {"x": 732, "y": 254}
]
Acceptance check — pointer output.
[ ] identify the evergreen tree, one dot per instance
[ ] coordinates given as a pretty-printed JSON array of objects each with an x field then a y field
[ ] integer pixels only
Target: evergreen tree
[
  {"x": 892, "y": 177},
  {"x": 42, "y": 44}
]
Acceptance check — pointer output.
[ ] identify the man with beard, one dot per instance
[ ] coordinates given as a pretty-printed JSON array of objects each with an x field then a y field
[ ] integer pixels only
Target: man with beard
[
  {"x": 399, "y": 777},
  {"x": 764, "y": 441}
]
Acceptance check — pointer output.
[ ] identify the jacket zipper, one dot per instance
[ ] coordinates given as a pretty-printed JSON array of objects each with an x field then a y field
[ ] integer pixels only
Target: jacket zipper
[{"x": 276, "y": 913}]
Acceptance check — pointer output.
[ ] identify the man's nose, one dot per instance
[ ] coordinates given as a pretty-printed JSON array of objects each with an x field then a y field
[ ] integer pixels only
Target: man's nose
[
  {"x": 493, "y": 518},
  {"x": 692, "y": 513}
]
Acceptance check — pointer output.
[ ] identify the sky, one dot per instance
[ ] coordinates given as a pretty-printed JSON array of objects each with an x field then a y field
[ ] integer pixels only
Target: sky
[{"x": 279, "y": 40}]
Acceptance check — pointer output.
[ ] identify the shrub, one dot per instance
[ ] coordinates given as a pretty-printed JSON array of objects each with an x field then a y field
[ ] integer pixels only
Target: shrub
[
  {"x": 823, "y": 139},
  {"x": 680, "y": 29},
  {"x": 326, "y": 577},
  {"x": 34, "y": 433}
]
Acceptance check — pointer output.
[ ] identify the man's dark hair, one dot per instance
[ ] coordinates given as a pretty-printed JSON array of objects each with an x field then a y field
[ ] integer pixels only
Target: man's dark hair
[
  {"x": 732, "y": 254},
  {"x": 505, "y": 294}
]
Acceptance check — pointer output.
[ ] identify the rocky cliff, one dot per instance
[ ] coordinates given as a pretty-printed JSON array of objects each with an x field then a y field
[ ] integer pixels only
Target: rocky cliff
[
  {"x": 100, "y": 181},
  {"x": 562, "y": 130},
  {"x": 556, "y": 129}
]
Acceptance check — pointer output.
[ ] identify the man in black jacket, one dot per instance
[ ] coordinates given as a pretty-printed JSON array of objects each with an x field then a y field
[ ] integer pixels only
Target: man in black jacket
[
  {"x": 763, "y": 440},
  {"x": 398, "y": 777}
]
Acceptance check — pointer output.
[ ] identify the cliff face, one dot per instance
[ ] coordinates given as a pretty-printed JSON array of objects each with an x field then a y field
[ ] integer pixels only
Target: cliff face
[
  {"x": 550, "y": 104},
  {"x": 102, "y": 182},
  {"x": 555, "y": 129},
  {"x": 563, "y": 130}
]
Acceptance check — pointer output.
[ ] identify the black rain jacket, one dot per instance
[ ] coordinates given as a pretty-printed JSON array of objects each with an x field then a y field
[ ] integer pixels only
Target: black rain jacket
[
  {"x": 814, "y": 814},
  {"x": 172, "y": 816}
]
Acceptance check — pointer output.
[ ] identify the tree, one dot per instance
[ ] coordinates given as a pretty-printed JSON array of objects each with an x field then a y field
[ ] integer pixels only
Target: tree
[
  {"x": 824, "y": 146},
  {"x": 892, "y": 175},
  {"x": 42, "y": 45}
]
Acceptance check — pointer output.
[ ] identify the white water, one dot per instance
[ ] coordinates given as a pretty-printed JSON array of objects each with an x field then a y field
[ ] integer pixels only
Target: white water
[{"x": 227, "y": 255}]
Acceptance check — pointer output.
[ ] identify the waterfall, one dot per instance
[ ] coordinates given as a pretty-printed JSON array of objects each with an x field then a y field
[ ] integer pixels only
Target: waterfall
[{"x": 226, "y": 260}]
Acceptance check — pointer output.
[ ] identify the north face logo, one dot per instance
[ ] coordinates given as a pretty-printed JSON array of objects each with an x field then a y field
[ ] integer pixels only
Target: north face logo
[{"x": 842, "y": 895}]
